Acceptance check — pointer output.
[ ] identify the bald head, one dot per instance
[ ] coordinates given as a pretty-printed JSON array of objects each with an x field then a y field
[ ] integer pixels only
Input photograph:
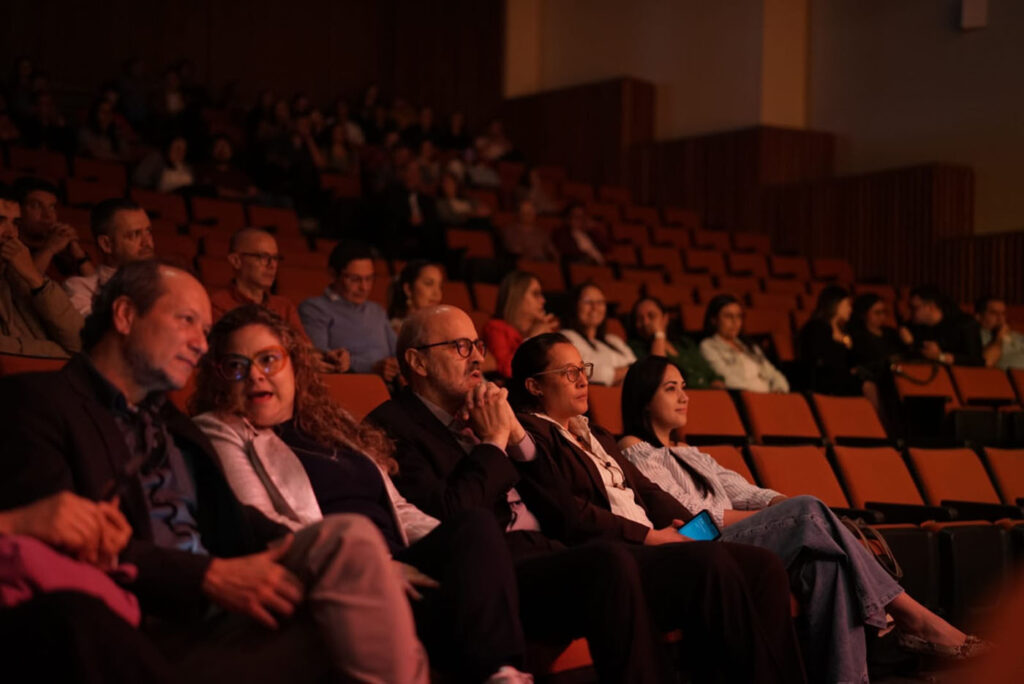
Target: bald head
[
  {"x": 245, "y": 239},
  {"x": 423, "y": 326},
  {"x": 434, "y": 369}
]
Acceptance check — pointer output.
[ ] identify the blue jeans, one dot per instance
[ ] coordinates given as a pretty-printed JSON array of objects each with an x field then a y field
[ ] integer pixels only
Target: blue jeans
[{"x": 840, "y": 585}]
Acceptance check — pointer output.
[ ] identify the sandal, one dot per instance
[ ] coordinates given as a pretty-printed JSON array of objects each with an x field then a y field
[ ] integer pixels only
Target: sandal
[{"x": 972, "y": 647}]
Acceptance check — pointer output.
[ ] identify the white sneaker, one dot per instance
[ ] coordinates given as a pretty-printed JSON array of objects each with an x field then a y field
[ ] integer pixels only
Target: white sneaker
[{"x": 509, "y": 675}]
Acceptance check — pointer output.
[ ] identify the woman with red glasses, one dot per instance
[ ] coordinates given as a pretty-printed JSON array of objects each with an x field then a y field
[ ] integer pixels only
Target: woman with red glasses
[{"x": 288, "y": 450}]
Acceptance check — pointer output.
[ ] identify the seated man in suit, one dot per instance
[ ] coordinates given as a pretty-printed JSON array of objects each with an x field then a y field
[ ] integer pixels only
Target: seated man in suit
[{"x": 327, "y": 597}]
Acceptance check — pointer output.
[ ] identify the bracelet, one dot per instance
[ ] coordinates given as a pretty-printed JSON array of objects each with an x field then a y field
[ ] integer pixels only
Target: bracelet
[{"x": 660, "y": 335}]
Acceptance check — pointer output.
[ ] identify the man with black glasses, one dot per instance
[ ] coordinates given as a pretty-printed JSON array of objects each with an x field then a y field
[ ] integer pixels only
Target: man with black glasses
[
  {"x": 456, "y": 439},
  {"x": 343, "y": 317}
]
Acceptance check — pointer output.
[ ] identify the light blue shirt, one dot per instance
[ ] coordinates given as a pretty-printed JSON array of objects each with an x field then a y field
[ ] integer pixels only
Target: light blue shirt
[
  {"x": 1013, "y": 349},
  {"x": 333, "y": 322}
]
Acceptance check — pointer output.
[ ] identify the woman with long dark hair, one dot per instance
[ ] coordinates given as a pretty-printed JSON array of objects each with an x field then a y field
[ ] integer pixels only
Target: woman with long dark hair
[
  {"x": 842, "y": 589},
  {"x": 519, "y": 315},
  {"x": 418, "y": 286},
  {"x": 649, "y": 336},
  {"x": 288, "y": 450},
  {"x": 587, "y": 329},
  {"x": 732, "y": 355},
  {"x": 823, "y": 345}
]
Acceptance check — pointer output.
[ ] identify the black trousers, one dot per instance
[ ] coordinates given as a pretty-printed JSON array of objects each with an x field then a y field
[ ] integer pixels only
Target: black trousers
[
  {"x": 731, "y": 602},
  {"x": 592, "y": 591},
  {"x": 470, "y": 626},
  {"x": 75, "y": 638}
]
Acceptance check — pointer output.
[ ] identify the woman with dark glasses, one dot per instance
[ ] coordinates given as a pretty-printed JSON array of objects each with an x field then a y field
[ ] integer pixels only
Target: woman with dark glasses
[
  {"x": 731, "y": 600},
  {"x": 291, "y": 452}
]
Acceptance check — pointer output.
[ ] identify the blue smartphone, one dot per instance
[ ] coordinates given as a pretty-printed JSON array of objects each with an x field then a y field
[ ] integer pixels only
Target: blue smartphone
[{"x": 701, "y": 528}]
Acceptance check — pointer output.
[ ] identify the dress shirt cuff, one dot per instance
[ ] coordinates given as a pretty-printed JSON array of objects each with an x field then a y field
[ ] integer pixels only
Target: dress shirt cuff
[{"x": 524, "y": 451}]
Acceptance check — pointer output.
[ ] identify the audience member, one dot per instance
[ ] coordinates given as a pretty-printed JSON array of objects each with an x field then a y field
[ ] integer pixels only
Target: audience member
[
  {"x": 9, "y": 132},
  {"x": 851, "y": 591},
  {"x": 222, "y": 175},
  {"x": 527, "y": 239},
  {"x": 100, "y": 137},
  {"x": 456, "y": 439},
  {"x": 102, "y": 428},
  {"x": 36, "y": 318},
  {"x": 452, "y": 208},
  {"x": 455, "y": 137},
  {"x": 344, "y": 318},
  {"x": 940, "y": 332},
  {"x": 648, "y": 336},
  {"x": 418, "y": 286},
  {"x": 823, "y": 345},
  {"x": 494, "y": 145},
  {"x": 338, "y": 155},
  {"x": 56, "y": 248},
  {"x": 738, "y": 360},
  {"x": 537, "y": 192},
  {"x": 587, "y": 330},
  {"x": 166, "y": 170},
  {"x": 1002, "y": 347},
  {"x": 289, "y": 451},
  {"x": 353, "y": 132},
  {"x": 875, "y": 344},
  {"x": 412, "y": 228},
  {"x": 731, "y": 600},
  {"x": 46, "y": 126},
  {"x": 580, "y": 238},
  {"x": 519, "y": 315},
  {"x": 430, "y": 167},
  {"x": 123, "y": 234},
  {"x": 423, "y": 130}
]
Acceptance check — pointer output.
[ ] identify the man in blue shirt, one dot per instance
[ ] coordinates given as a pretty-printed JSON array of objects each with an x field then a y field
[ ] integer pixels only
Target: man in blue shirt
[{"x": 344, "y": 318}]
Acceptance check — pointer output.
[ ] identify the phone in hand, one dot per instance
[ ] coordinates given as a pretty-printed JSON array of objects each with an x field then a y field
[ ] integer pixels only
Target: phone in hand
[{"x": 701, "y": 527}]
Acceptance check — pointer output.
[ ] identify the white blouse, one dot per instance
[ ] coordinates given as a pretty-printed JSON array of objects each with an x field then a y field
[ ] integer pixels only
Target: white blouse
[
  {"x": 606, "y": 356},
  {"x": 621, "y": 498},
  {"x": 729, "y": 489},
  {"x": 743, "y": 368}
]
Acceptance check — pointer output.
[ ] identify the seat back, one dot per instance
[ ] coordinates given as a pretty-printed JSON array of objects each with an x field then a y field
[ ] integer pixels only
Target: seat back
[
  {"x": 456, "y": 294},
  {"x": 549, "y": 273},
  {"x": 780, "y": 417},
  {"x": 581, "y": 273},
  {"x": 357, "y": 393},
  {"x": 606, "y": 407},
  {"x": 838, "y": 270},
  {"x": 678, "y": 216},
  {"x": 712, "y": 415},
  {"x": 982, "y": 385},
  {"x": 876, "y": 474},
  {"x": 704, "y": 261},
  {"x": 298, "y": 284},
  {"x": 282, "y": 220},
  {"x": 751, "y": 242},
  {"x": 635, "y": 234},
  {"x": 646, "y": 276},
  {"x": 110, "y": 172},
  {"x": 161, "y": 205},
  {"x": 638, "y": 214},
  {"x": 486, "y": 296},
  {"x": 848, "y": 418},
  {"x": 730, "y": 457},
  {"x": 475, "y": 243},
  {"x": 225, "y": 214},
  {"x": 748, "y": 262},
  {"x": 952, "y": 474},
  {"x": 674, "y": 236},
  {"x": 1007, "y": 467},
  {"x": 666, "y": 258},
  {"x": 1017, "y": 378},
  {"x": 796, "y": 470},
  {"x": 711, "y": 239},
  {"x": 925, "y": 380},
  {"x": 795, "y": 267},
  {"x": 11, "y": 364}
]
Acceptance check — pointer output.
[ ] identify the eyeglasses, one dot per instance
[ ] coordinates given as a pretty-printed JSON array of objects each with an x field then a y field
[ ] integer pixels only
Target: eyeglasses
[
  {"x": 264, "y": 258},
  {"x": 464, "y": 346},
  {"x": 593, "y": 302},
  {"x": 235, "y": 367},
  {"x": 354, "y": 279},
  {"x": 572, "y": 373}
]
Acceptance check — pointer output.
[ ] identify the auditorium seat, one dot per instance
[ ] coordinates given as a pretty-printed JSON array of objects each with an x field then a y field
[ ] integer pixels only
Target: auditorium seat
[
  {"x": 77, "y": 217},
  {"x": 581, "y": 193},
  {"x": 837, "y": 270},
  {"x": 456, "y": 294},
  {"x": 111, "y": 173},
  {"x": 666, "y": 258},
  {"x": 704, "y": 261},
  {"x": 743, "y": 241},
  {"x": 692, "y": 281},
  {"x": 486, "y": 197},
  {"x": 926, "y": 380},
  {"x": 623, "y": 255},
  {"x": 510, "y": 174},
  {"x": 692, "y": 316},
  {"x": 746, "y": 263},
  {"x": 616, "y": 194},
  {"x": 11, "y": 364},
  {"x": 795, "y": 267},
  {"x": 982, "y": 386},
  {"x": 645, "y": 276},
  {"x": 774, "y": 300},
  {"x": 581, "y": 273},
  {"x": 780, "y": 417},
  {"x": 783, "y": 286},
  {"x": 621, "y": 293},
  {"x": 958, "y": 476},
  {"x": 283, "y": 221},
  {"x": 606, "y": 407},
  {"x": 849, "y": 419},
  {"x": 671, "y": 296},
  {"x": 739, "y": 285},
  {"x": 551, "y": 173},
  {"x": 704, "y": 238},
  {"x": 1017, "y": 378},
  {"x": 796, "y": 470},
  {"x": 730, "y": 457},
  {"x": 1007, "y": 468},
  {"x": 296, "y": 252},
  {"x": 342, "y": 185},
  {"x": 161, "y": 205},
  {"x": 703, "y": 295},
  {"x": 879, "y": 475},
  {"x": 613, "y": 326},
  {"x": 78, "y": 192},
  {"x": 357, "y": 393},
  {"x": 176, "y": 247},
  {"x": 480, "y": 318},
  {"x": 712, "y": 418},
  {"x": 638, "y": 214},
  {"x": 674, "y": 236},
  {"x": 379, "y": 291},
  {"x": 486, "y": 296},
  {"x": 224, "y": 214},
  {"x": 677, "y": 216},
  {"x": 635, "y": 234},
  {"x": 477, "y": 244},
  {"x": 549, "y": 273},
  {"x": 886, "y": 292},
  {"x": 214, "y": 272},
  {"x": 53, "y": 166},
  {"x": 606, "y": 212}
]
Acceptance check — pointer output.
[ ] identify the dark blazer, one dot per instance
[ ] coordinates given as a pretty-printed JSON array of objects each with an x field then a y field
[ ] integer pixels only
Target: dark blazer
[
  {"x": 593, "y": 516},
  {"x": 57, "y": 434},
  {"x": 439, "y": 477}
]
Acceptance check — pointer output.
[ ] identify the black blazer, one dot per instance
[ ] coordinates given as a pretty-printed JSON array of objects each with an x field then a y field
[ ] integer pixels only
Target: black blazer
[
  {"x": 439, "y": 477},
  {"x": 56, "y": 434},
  {"x": 592, "y": 515}
]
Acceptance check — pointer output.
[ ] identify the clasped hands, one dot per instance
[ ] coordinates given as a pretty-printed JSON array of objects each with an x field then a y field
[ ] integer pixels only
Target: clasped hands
[{"x": 487, "y": 412}]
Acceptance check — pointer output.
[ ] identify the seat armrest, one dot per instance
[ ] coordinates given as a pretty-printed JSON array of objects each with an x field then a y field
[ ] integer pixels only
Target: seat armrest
[
  {"x": 911, "y": 513},
  {"x": 868, "y": 516},
  {"x": 976, "y": 510}
]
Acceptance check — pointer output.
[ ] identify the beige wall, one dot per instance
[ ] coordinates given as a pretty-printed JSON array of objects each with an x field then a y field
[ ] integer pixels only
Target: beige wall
[{"x": 902, "y": 84}]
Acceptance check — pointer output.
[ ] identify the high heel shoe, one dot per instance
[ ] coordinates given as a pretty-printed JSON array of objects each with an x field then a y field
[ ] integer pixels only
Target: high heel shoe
[{"x": 972, "y": 647}]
